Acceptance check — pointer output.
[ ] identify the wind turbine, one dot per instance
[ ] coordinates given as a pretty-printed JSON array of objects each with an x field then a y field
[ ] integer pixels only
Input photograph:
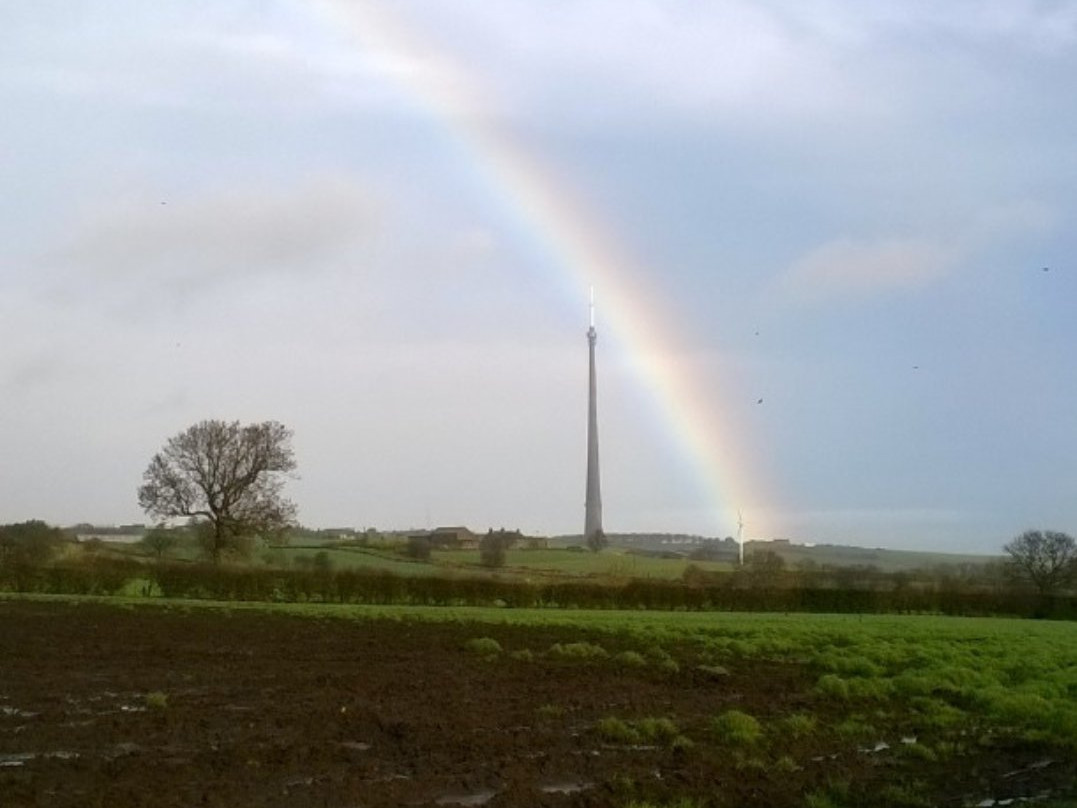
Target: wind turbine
[{"x": 740, "y": 536}]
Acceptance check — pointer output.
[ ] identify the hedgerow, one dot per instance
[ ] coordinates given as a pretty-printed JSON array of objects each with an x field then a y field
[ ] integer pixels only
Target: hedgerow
[{"x": 322, "y": 584}]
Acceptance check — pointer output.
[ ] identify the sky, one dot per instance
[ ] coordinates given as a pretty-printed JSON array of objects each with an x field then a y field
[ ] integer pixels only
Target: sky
[{"x": 832, "y": 245}]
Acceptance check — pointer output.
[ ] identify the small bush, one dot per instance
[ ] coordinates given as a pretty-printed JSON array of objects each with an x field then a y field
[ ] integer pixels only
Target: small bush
[
  {"x": 669, "y": 666},
  {"x": 918, "y": 751},
  {"x": 657, "y": 730},
  {"x": 682, "y": 743},
  {"x": 833, "y": 686},
  {"x": 484, "y": 646},
  {"x": 615, "y": 730},
  {"x": 937, "y": 713},
  {"x": 905, "y": 796},
  {"x": 631, "y": 659},
  {"x": 913, "y": 684},
  {"x": 523, "y": 655},
  {"x": 869, "y": 688},
  {"x": 646, "y": 730},
  {"x": 492, "y": 549},
  {"x": 820, "y": 799},
  {"x": 855, "y": 728},
  {"x": 156, "y": 700},
  {"x": 550, "y": 711},
  {"x": 785, "y": 765},
  {"x": 798, "y": 725},
  {"x": 578, "y": 650},
  {"x": 734, "y": 726}
]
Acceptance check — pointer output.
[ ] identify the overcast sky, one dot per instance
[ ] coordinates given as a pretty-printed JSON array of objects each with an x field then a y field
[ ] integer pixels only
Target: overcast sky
[{"x": 853, "y": 226}]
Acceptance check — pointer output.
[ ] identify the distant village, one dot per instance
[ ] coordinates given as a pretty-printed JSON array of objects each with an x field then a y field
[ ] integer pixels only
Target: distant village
[{"x": 661, "y": 545}]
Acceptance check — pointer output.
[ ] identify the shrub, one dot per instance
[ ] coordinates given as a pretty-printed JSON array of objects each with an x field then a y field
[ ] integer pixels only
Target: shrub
[
  {"x": 937, "y": 713},
  {"x": 523, "y": 655},
  {"x": 918, "y": 751},
  {"x": 1021, "y": 709},
  {"x": 682, "y": 743},
  {"x": 657, "y": 653},
  {"x": 734, "y": 726},
  {"x": 631, "y": 659},
  {"x": 785, "y": 765},
  {"x": 905, "y": 796},
  {"x": 820, "y": 799},
  {"x": 418, "y": 547},
  {"x": 658, "y": 730},
  {"x": 550, "y": 711},
  {"x": 669, "y": 666},
  {"x": 492, "y": 548},
  {"x": 578, "y": 650},
  {"x": 830, "y": 684},
  {"x": 869, "y": 688},
  {"x": 156, "y": 700},
  {"x": 617, "y": 731},
  {"x": 855, "y": 727},
  {"x": 484, "y": 646},
  {"x": 798, "y": 725},
  {"x": 645, "y": 730}
]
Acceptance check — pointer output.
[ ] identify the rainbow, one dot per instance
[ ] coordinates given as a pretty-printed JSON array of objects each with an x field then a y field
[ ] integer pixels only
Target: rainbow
[{"x": 579, "y": 247}]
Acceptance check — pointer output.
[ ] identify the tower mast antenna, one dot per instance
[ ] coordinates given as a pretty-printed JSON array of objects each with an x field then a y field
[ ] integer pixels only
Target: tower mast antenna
[{"x": 593, "y": 535}]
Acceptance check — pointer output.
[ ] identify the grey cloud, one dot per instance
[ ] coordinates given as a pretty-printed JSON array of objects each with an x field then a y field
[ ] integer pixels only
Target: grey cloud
[
  {"x": 187, "y": 244},
  {"x": 34, "y": 372}
]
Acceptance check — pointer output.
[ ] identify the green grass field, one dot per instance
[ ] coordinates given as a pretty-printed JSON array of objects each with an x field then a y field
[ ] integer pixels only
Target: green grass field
[
  {"x": 958, "y": 675},
  {"x": 613, "y": 564}
]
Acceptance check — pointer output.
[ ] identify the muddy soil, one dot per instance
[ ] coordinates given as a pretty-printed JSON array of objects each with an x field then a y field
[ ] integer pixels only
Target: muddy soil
[{"x": 107, "y": 706}]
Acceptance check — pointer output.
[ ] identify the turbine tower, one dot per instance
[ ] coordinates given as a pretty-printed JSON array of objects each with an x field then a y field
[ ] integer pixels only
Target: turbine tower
[
  {"x": 592, "y": 523},
  {"x": 740, "y": 537}
]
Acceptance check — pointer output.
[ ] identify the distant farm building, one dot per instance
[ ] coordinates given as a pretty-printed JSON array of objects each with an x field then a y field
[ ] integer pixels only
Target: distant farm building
[{"x": 447, "y": 538}]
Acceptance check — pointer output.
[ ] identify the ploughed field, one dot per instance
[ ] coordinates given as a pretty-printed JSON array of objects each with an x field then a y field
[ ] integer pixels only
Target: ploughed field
[{"x": 103, "y": 705}]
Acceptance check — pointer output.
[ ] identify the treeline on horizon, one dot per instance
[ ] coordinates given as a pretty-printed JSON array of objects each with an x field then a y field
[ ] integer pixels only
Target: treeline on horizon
[{"x": 29, "y": 564}]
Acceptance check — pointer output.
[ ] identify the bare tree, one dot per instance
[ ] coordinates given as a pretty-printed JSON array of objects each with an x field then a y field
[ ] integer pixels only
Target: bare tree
[
  {"x": 227, "y": 476},
  {"x": 492, "y": 549},
  {"x": 29, "y": 544},
  {"x": 1045, "y": 558},
  {"x": 159, "y": 541}
]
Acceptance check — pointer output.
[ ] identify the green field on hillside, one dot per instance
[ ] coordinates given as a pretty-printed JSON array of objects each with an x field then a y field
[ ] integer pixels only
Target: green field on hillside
[
  {"x": 612, "y": 563},
  {"x": 964, "y": 681}
]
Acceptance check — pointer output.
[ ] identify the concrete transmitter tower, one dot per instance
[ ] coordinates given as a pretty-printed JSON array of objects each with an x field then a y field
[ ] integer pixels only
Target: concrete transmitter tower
[{"x": 592, "y": 523}]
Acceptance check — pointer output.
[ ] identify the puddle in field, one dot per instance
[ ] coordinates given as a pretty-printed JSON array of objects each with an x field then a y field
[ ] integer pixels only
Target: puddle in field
[
  {"x": 566, "y": 787},
  {"x": 991, "y": 802},
  {"x": 15, "y": 712},
  {"x": 1039, "y": 764},
  {"x": 355, "y": 746},
  {"x": 880, "y": 746},
  {"x": 480, "y": 797},
  {"x": 14, "y": 759},
  {"x": 122, "y": 749}
]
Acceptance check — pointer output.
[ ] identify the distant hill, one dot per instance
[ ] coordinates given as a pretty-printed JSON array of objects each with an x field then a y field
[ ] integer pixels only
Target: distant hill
[{"x": 833, "y": 555}]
